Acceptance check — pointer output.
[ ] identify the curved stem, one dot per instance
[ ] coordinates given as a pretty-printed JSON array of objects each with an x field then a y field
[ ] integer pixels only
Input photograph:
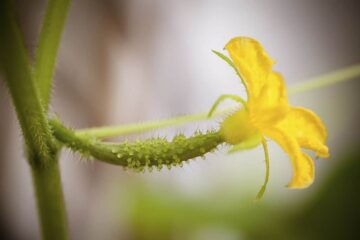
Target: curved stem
[
  {"x": 222, "y": 98},
  {"x": 267, "y": 171},
  {"x": 231, "y": 64}
]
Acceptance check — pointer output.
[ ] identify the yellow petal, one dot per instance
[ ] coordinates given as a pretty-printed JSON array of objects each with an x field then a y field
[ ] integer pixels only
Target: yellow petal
[
  {"x": 305, "y": 177},
  {"x": 267, "y": 92},
  {"x": 273, "y": 92},
  {"x": 303, "y": 166},
  {"x": 307, "y": 128},
  {"x": 271, "y": 105},
  {"x": 252, "y": 62}
]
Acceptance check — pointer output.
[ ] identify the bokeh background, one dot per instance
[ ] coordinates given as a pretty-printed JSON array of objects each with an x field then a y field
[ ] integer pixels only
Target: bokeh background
[{"x": 130, "y": 61}]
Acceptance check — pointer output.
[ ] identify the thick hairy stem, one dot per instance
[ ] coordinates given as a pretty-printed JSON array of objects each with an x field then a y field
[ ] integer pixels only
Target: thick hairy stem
[
  {"x": 40, "y": 146},
  {"x": 50, "y": 201},
  {"x": 155, "y": 152},
  {"x": 16, "y": 67}
]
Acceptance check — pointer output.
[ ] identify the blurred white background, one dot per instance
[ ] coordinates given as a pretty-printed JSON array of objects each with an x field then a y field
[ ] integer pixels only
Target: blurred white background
[{"x": 132, "y": 61}]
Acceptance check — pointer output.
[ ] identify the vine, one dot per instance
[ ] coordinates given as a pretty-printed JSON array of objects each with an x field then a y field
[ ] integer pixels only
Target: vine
[{"x": 30, "y": 89}]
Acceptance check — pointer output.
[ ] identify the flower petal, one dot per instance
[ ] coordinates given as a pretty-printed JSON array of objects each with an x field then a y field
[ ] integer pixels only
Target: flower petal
[
  {"x": 307, "y": 128},
  {"x": 273, "y": 92},
  {"x": 252, "y": 62},
  {"x": 267, "y": 92},
  {"x": 303, "y": 166},
  {"x": 271, "y": 105}
]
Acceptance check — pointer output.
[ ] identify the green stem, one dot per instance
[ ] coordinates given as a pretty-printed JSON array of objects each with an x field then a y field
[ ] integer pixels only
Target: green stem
[
  {"x": 40, "y": 146},
  {"x": 18, "y": 78},
  {"x": 49, "y": 42},
  {"x": 325, "y": 80},
  {"x": 231, "y": 64},
  {"x": 112, "y": 131},
  {"x": 50, "y": 201},
  {"x": 338, "y": 76}
]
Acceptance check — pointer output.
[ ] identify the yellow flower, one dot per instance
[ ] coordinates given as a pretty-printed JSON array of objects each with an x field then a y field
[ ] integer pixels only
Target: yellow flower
[{"x": 267, "y": 113}]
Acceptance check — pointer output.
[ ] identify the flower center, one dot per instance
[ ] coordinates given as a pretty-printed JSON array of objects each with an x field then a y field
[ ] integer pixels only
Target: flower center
[{"x": 238, "y": 128}]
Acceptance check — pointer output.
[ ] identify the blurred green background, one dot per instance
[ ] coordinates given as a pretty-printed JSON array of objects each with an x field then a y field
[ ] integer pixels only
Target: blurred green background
[
  {"x": 332, "y": 212},
  {"x": 124, "y": 61}
]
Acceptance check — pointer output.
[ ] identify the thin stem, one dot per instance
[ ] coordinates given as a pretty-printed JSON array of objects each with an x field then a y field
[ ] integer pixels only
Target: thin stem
[
  {"x": 41, "y": 150},
  {"x": 267, "y": 170},
  {"x": 222, "y": 98},
  {"x": 49, "y": 42},
  {"x": 315, "y": 83},
  {"x": 103, "y": 132},
  {"x": 325, "y": 80},
  {"x": 231, "y": 64}
]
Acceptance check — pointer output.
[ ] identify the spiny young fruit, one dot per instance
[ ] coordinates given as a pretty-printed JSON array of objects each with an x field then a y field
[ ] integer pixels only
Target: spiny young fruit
[{"x": 138, "y": 155}]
